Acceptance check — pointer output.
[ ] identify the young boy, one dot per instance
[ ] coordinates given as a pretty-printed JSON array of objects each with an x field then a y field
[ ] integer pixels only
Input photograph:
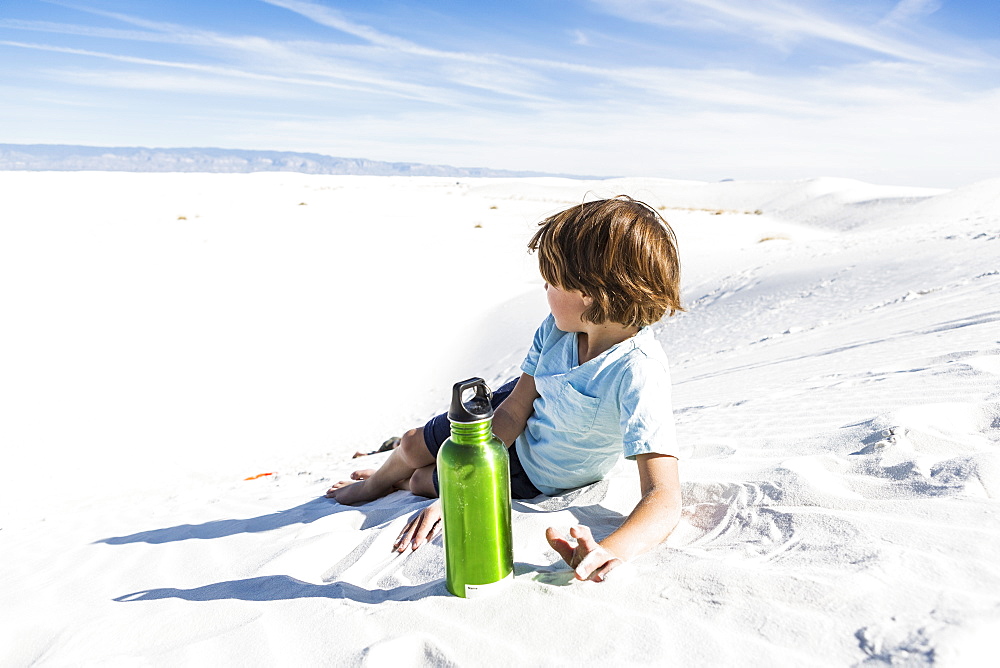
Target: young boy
[{"x": 595, "y": 385}]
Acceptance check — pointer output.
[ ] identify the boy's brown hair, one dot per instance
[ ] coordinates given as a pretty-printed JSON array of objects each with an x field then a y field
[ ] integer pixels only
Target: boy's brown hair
[{"x": 620, "y": 252}]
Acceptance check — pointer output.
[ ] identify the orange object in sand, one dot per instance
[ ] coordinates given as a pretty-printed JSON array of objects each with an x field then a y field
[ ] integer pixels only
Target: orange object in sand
[{"x": 259, "y": 475}]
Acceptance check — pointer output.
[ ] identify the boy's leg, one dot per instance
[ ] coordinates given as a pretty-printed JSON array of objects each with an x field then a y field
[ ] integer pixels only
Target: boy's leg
[
  {"x": 416, "y": 452},
  {"x": 364, "y": 474},
  {"x": 411, "y": 455},
  {"x": 422, "y": 482}
]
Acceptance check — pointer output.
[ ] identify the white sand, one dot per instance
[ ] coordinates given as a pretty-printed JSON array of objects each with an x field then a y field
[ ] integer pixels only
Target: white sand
[{"x": 837, "y": 392}]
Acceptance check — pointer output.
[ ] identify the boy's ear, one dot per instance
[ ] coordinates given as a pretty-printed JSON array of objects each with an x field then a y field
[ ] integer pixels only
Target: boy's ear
[{"x": 588, "y": 300}]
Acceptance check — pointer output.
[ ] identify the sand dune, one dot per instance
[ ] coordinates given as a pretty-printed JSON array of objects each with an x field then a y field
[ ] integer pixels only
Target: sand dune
[{"x": 837, "y": 392}]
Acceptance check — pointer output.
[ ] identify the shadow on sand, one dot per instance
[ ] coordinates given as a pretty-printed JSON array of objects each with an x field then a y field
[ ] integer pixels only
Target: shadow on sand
[
  {"x": 284, "y": 588},
  {"x": 304, "y": 514}
]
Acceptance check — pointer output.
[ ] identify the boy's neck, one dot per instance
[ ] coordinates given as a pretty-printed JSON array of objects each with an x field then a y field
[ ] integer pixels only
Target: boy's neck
[{"x": 595, "y": 339}]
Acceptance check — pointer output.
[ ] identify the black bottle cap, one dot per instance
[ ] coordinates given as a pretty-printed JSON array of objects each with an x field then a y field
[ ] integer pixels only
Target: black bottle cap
[{"x": 476, "y": 409}]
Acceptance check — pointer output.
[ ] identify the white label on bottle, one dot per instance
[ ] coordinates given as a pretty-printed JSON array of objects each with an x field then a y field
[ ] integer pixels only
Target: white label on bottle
[{"x": 484, "y": 590}]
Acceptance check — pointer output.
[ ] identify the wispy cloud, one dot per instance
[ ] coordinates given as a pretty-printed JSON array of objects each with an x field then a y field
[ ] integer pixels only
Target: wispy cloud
[
  {"x": 343, "y": 80},
  {"x": 55, "y": 28},
  {"x": 332, "y": 18},
  {"x": 908, "y": 10},
  {"x": 485, "y": 71},
  {"x": 200, "y": 83},
  {"x": 782, "y": 24}
]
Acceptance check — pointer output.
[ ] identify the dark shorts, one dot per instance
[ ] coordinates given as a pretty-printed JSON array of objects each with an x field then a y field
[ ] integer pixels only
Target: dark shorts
[{"x": 438, "y": 429}]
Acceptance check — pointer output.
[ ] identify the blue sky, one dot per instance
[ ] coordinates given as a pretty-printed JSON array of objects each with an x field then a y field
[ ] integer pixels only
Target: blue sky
[{"x": 899, "y": 92}]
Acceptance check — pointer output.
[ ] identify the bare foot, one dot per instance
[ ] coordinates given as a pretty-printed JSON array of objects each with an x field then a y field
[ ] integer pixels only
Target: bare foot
[
  {"x": 356, "y": 490},
  {"x": 353, "y": 494},
  {"x": 362, "y": 474}
]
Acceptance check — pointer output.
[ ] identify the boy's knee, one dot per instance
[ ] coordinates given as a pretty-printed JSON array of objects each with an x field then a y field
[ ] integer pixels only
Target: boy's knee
[
  {"x": 411, "y": 440},
  {"x": 414, "y": 449},
  {"x": 422, "y": 482}
]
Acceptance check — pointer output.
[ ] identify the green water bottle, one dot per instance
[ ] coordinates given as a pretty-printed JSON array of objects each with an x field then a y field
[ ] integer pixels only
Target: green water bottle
[{"x": 474, "y": 479}]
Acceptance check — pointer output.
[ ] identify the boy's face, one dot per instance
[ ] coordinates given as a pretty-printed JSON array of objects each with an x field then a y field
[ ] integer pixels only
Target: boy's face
[{"x": 567, "y": 307}]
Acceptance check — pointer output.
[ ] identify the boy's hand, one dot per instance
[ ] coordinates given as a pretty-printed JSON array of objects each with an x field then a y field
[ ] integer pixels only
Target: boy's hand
[
  {"x": 587, "y": 558},
  {"x": 422, "y": 527}
]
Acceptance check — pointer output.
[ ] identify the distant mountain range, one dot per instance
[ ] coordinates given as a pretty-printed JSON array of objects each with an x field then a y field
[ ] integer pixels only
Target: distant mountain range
[{"x": 53, "y": 157}]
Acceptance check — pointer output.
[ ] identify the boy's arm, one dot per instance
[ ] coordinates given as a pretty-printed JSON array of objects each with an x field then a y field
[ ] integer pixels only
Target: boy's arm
[
  {"x": 652, "y": 520},
  {"x": 512, "y": 415}
]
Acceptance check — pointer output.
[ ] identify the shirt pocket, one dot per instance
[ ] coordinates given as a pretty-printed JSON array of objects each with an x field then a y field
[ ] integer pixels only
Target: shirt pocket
[{"x": 577, "y": 412}]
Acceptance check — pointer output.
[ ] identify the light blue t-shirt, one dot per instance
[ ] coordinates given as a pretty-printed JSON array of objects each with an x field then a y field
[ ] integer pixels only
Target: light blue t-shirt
[{"x": 588, "y": 415}]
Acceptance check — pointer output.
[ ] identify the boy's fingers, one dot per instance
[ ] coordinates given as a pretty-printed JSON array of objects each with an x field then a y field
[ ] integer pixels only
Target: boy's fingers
[
  {"x": 559, "y": 543},
  {"x": 422, "y": 527},
  {"x": 587, "y": 565},
  {"x": 594, "y": 563},
  {"x": 601, "y": 573},
  {"x": 587, "y": 558},
  {"x": 584, "y": 537},
  {"x": 405, "y": 535},
  {"x": 425, "y": 529},
  {"x": 432, "y": 531},
  {"x": 401, "y": 540}
]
